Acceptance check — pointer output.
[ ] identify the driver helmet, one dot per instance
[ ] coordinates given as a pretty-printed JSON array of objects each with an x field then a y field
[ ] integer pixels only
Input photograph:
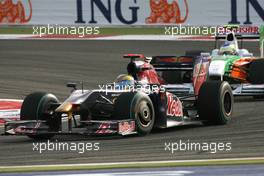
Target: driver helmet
[
  {"x": 124, "y": 79},
  {"x": 228, "y": 49}
]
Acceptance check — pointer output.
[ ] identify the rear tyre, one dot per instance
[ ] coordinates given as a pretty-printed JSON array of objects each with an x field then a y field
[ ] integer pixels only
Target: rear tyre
[
  {"x": 256, "y": 72},
  {"x": 215, "y": 103},
  {"x": 137, "y": 106},
  {"x": 35, "y": 107}
]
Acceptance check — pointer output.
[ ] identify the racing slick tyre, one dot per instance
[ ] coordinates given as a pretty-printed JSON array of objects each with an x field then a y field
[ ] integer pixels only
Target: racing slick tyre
[
  {"x": 35, "y": 107},
  {"x": 215, "y": 103},
  {"x": 137, "y": 106},
  {"x": 256, "y": 72}
]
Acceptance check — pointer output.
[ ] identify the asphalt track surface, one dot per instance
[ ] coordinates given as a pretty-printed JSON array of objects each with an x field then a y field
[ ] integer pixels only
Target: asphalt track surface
[{"x": 27, "y": 66}]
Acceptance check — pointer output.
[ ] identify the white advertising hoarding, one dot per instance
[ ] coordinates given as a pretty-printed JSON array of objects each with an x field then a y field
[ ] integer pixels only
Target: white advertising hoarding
[{"x": 132, "y": 12}]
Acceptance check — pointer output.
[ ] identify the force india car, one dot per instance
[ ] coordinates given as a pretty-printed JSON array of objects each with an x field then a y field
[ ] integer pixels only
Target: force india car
[
  {"x": 160, "y": 100},
  {"x": 241, "y": 69}
]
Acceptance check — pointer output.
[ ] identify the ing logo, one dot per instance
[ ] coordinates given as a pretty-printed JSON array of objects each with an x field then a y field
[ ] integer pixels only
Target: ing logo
[
  {"x": 14, "y": 12},
  {"x": 164, "y": 12}
]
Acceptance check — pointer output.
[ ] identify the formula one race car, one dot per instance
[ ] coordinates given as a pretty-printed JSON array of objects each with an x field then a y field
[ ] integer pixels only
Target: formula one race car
[
  {"x": 239, "y": 67},
  {"x": 146, "y": 97}
]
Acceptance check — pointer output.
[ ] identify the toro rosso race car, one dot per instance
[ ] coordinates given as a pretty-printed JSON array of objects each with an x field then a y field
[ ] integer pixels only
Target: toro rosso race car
[
  {"x": 239, "y": 67},
  {"x": 155, "y": 93}
]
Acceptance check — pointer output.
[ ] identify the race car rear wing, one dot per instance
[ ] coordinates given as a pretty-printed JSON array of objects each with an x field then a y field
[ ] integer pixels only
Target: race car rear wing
[
  {"x": 241, "y": 37},
  {"x": 172, "y": 63},
  {"x": 133, "y": 57},
  {"x": 238, "y": 37}
]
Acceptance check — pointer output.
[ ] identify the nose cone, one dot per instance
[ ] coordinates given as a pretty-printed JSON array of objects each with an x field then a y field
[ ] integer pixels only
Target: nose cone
[{"x": 64, "y": 107}]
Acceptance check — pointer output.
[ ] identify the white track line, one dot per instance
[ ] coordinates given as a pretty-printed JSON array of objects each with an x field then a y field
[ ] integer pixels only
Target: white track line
[
  {"x": 120, "y": 37},
  {"x": 135, "y": 163}
]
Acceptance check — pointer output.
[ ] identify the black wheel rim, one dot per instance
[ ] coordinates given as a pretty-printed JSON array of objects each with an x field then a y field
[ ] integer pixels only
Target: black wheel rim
[
  {"x": 227, "y": 103},
  {"x": 144, "y": 114}
]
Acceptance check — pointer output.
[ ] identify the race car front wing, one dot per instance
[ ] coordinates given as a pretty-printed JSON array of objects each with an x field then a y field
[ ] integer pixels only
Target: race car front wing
[
  {"x": 248, "y": 89},
  {"x": 39, "y": 127}
]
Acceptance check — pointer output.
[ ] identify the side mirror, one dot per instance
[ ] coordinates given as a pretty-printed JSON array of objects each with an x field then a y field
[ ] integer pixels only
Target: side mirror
[{"x": 72, "y": 85}]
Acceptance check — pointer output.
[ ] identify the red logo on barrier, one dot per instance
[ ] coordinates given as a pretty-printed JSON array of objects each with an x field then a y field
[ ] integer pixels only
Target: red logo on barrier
[
  {"x": 174, "y": 106},
  {"x": 163, "y": 12},
  {"x": 14, "y": 13}
]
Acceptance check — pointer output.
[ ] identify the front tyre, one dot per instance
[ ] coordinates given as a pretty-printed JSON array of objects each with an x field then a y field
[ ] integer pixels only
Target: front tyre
[
  {"x": 36, "y": 107},
  {"x": 143, "y": 112},
  {"x": 215, "y": 103},
  {"x": 137, "y": 106}
]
